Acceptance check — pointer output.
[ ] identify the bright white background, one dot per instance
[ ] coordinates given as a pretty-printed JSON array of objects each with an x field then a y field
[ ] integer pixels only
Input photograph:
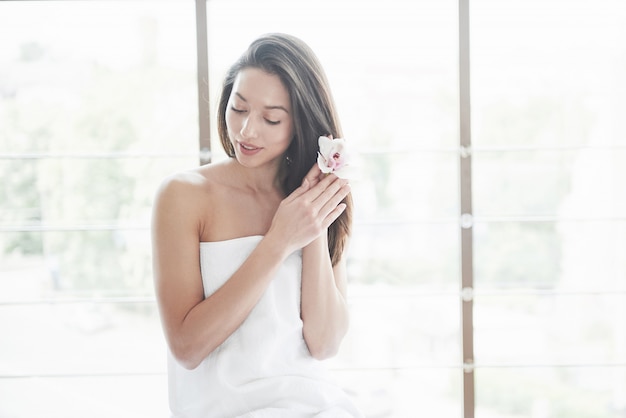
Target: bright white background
[{"x": 98, "y": 103}]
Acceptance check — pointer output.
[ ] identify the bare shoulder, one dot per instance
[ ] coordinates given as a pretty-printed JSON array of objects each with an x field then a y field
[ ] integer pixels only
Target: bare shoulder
[
  {"x": 197, "y": 183},
  {"x": 191, "y": 196},
  {"x": 181, "y": 182}
]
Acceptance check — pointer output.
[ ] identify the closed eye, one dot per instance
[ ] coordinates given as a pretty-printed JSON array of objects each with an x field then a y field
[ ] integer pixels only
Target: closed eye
[{"x": 269, "y": 121}]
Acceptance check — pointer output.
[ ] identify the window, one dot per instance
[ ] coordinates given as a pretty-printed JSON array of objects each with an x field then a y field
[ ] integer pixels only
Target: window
[
  {"x": 99, "y": 101},
  {"x": 549, "y": 152}
]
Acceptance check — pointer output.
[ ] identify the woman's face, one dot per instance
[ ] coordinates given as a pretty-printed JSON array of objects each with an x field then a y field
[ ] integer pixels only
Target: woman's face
[{"x": 258, "y": 118}]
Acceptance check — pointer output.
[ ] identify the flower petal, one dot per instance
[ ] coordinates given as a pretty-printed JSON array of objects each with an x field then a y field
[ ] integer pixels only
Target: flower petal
[
  {"x": 321, "y": 163},
  {"x": 325, "y": 144}
]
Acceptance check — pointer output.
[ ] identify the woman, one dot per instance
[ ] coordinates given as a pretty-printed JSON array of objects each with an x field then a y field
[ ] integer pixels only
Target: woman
[{"x": 249, "y": 259}]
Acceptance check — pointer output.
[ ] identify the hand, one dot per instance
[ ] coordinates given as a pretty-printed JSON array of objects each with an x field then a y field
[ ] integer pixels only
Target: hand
[{"x": 307, "y": 212}]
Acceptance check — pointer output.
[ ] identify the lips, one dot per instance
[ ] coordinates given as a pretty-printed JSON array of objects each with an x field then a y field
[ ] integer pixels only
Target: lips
[{"x": 248, "y": 149}]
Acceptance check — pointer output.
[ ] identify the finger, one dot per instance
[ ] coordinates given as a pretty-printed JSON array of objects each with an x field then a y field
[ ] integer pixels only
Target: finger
[
  {"x": 333, "y": 201},
  {"x": 333, "y": 215},
  {"x": 326, "y": 189}
]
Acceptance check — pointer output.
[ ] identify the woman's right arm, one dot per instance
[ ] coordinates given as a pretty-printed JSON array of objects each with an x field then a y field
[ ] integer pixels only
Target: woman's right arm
[{"x": 195, "y": 326}]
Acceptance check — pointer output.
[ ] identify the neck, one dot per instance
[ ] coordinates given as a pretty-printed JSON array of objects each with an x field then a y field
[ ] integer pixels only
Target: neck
[{"x": 258, "y": 180}]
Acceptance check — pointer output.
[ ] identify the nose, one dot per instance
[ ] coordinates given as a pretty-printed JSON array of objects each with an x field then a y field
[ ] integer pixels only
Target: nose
[{"x": 248, "y": 128}]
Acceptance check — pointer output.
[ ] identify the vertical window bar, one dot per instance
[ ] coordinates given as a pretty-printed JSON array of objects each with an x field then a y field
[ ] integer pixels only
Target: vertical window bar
[
  {"x": 204, "y": 140},
  {"x": 466, "y": 223}
]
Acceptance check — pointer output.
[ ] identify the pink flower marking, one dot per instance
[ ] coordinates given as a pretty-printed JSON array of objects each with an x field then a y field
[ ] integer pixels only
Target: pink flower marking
[{"x": 332, "y": 156}]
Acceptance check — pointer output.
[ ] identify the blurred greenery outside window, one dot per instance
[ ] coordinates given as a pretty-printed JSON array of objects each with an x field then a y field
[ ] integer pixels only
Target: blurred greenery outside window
[{"x": 98, "y": 102}]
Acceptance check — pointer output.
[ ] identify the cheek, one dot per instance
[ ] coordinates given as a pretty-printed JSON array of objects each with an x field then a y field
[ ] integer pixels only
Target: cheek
[{"x": 288, "y": 134}]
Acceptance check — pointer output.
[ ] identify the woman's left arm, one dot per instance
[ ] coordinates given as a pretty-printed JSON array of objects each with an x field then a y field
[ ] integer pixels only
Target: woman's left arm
[{"x": 324, "y": 308}]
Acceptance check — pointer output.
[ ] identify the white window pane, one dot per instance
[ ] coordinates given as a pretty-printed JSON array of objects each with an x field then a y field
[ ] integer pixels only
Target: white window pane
[
  {"x": 421, "y": 256},
  {"x": 98, "y": 76},
  {"x": 80, "y": 397},
  {"x": 391, "y": 330},
  {"x": 517, "y": 255},
  {"x": 538, "y": 392},
  {"x": 566, "y": 329},
  {"x": 563, "y": 183},
  {"x": 561, "y": 256},
  {"x": 405, "y": 393},
  {"x": 88, "y": 263},
  {"x": 407, "y": 186},
  {"x": 548, "y": 73},
  {"x": 81, "y": 190},
  {"x": 80, "y": 339}
]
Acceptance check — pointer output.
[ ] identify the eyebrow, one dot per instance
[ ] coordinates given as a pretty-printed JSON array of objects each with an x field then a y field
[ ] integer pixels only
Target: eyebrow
[{"x": 266, "y": 107}]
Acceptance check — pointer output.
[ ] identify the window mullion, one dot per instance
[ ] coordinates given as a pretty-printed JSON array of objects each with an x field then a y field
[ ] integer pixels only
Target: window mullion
[
  {"x": 465, "y": 180},
  {"x": 204, "y": 124}
]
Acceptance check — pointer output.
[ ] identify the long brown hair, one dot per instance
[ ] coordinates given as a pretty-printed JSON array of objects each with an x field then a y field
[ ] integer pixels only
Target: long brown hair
[{"x": 313, "y": 112}]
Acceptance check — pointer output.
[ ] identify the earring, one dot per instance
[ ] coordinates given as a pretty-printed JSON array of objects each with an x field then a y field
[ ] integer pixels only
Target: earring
[{"x": 288, "y": 160}]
